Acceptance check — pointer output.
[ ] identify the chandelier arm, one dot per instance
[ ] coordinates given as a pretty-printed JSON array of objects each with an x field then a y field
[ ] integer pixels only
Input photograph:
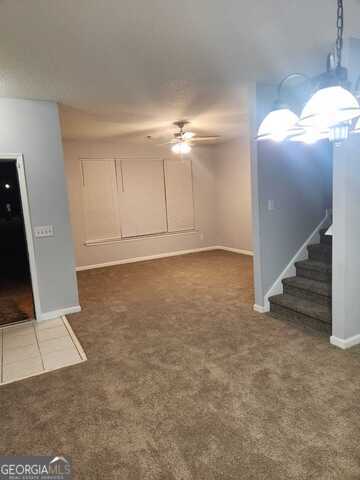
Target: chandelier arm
[
  {"x": 287, "y": 78},
  {"x": 357, "y": 87}
]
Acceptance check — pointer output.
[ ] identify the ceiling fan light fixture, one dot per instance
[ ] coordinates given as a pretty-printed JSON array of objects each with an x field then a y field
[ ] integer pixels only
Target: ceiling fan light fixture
[
  {"x": 277, "y": 125},
  {"x": 181, "y": 148},
  {"x": 188, "y": 135}
]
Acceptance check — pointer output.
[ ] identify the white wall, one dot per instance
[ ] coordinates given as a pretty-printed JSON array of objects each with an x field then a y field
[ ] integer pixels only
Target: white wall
[
  {"x": 233, "y": 192},
  {"x": 346, "y": 226},
  {"x": 204, "y": 199},
  {"x": 346, "y": 241},
  {"x": 32, "y": 129}
]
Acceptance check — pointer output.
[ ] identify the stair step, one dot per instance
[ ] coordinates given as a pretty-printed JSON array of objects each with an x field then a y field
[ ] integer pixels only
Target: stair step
[
  {"x": 314, "y": 270},
  {"x": 283, "y": 313},
  {"x": 312, "y": 290},
  {"x": 325, "y": 239},
  {"x": 313, "y": 310},
  {"x": 321, "y": 288},
  {"x": 320, "y": 252}
]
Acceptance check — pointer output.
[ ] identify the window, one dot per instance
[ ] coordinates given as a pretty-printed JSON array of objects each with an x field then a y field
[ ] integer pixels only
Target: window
[{"x": 126, "y": 198}]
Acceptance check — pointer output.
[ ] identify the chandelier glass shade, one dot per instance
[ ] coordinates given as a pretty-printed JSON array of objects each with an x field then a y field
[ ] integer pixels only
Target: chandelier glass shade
[
  {"x": 277, "y": 125},
  {"x": 309, "y": 135},
  {"x": 329, "y": 107}
]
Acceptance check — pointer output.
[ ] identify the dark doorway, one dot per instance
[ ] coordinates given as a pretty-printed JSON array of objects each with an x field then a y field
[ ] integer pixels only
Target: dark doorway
[{"x": 16, "y": 297}]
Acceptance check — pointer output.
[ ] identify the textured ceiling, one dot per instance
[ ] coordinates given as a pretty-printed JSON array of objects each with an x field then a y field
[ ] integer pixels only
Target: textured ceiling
[{"x": 132, "y": 67}]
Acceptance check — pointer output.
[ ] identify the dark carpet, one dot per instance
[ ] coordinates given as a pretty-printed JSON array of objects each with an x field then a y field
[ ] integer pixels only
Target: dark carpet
[
  {"x": 16, "y": 300},
  {"x": 184, "y": 381}
]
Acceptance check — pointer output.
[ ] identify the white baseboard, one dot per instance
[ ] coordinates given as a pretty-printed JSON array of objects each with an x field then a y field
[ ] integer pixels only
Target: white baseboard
[
  {"x": 142, "y": 259},
  {"x": 290, "y": 270},
  {"x": 160, "y": 255},
  {"x": 58, "y": 313},
  {"x": 345, "y": 344},
  {"x": 261, "y": 309},
  {"x": 235, "y": 250}
]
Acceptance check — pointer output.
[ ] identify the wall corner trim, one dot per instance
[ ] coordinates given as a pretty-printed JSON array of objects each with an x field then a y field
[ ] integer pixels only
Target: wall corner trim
[
  {"x": 58, "y": 313},
  {"x": 261, "y": 309},
  {"x": 344, "y": 344}
]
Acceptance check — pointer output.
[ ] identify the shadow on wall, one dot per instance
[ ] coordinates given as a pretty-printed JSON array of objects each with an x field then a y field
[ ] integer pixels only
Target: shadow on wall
[{"x": 294, "y": 189}]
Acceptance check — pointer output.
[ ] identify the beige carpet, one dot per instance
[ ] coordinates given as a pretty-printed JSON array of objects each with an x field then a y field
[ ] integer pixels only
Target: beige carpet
[{"x": 184, "y": 381}]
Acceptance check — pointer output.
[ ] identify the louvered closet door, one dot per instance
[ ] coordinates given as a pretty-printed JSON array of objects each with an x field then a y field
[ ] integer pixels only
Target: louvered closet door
[
  {"x": 142, "y": 197},
  {"x": 179, "y": 195},
  {"x": 100, "y": 200}
]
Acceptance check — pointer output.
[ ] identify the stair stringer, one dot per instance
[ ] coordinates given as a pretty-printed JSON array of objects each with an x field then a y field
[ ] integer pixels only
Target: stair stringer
[{"x": 301, "y": 254}]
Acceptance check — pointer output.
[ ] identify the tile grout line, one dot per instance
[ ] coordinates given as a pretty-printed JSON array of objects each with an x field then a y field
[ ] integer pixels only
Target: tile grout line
[
  {"x": 74, "y": 340},
  {"x": 38, "y": 344}
]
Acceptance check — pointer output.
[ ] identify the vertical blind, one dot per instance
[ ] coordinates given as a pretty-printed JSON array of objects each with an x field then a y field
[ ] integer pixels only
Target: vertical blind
[
  {"x": 100, "y": 199},
  {"x": 142, "y": 198},
  {"x": 129, "y": 198},
  {"x": 179, "y": 195}
]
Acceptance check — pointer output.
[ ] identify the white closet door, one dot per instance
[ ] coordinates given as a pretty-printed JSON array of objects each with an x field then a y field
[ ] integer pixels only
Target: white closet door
[
  {"x": 179, "y": 195},
  {"x": 143, "y": 210},
  {"x": 100, "y": 199}
]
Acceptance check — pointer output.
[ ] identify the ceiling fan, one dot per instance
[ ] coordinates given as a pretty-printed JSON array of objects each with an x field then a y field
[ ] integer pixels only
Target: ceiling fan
[{"x": 182, "y": 141}]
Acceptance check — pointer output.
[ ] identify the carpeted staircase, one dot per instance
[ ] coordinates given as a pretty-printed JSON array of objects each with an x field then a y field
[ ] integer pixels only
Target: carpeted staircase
[{"x": 306, "y": 298}]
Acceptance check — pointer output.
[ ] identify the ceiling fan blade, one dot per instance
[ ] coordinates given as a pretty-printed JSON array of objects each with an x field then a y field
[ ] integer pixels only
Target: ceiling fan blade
[
  {"x": 204, "y": 139},
  {"x": 168, "y": 143}
]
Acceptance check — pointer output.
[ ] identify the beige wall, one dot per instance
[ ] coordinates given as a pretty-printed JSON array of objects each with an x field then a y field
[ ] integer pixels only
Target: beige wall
[
  {"x": 204, "y": 200},
  {"x": 233, "y": 184},
  {"x": 222, "y": 198}
]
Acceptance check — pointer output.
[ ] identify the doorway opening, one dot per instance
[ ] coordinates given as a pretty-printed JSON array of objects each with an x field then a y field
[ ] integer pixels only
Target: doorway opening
[{"x": 16, "y": 293}]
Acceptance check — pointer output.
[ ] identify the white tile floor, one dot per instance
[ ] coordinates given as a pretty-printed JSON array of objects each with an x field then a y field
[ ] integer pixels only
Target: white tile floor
[{"x": 33, "y": 348}]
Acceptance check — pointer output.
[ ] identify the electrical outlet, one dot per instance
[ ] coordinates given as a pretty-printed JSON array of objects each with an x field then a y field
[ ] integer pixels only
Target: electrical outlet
[
  {"x": 44, "y": 231},
  {"x": 201, "y": 236}
]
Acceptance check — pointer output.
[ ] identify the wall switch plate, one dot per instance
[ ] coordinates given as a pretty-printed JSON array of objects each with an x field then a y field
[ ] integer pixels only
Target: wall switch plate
[
  {"x": 271, "y": 205},
  {"x": 44, "y": 231},
  {"x": 201, "y": 236}
]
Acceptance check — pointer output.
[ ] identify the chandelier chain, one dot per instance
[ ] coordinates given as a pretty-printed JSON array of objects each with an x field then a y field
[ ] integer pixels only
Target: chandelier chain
[{"x": 340, "y": 31}]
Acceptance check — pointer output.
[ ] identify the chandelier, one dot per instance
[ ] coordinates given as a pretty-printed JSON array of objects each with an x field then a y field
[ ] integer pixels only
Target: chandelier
[{"x": 332, "y": 112}]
